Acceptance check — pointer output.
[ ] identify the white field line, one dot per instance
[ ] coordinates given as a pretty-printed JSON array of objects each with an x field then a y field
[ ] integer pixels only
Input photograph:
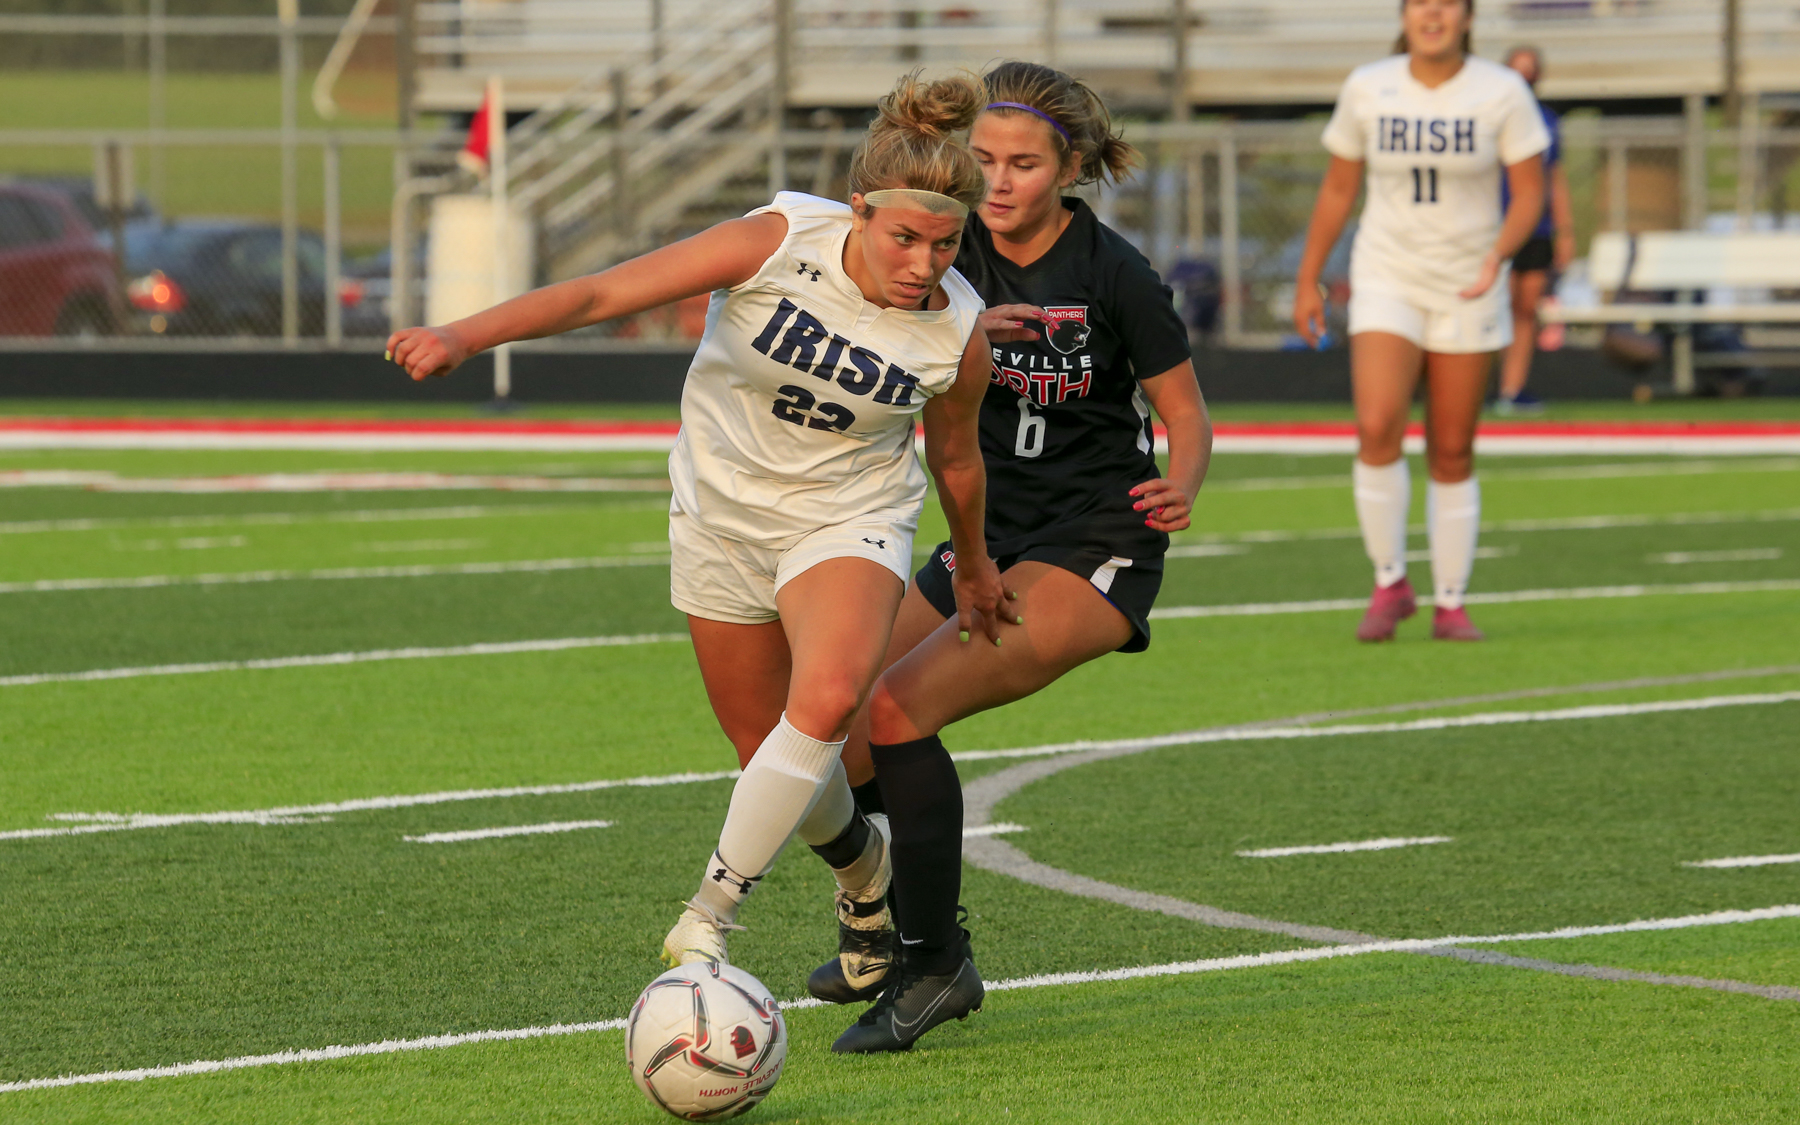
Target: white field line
[
  {"x": 1746, "y": 861},
  {"x": 1382, "y": 844},
  {"x": 422, "y": 570},
  {"x": 1749, "y": 554},
  {"x": 1558, "y": 472},
  {"x": 114, "y": 822},
  {"x": 1505, "y": 597},
  {"x": 1207, "y": 550},
  {"x": 1560, "y": 523},
  {"x": 1451, "y": 722},
  {"x": 1004, "y": 828},
  {"x": 260, "y": 519},
  {"x": 1424, "y": 555},
  {"x": 118, "y": 822},
  {"x": 1046, "y": 980},
  {"x": 493, "y": 648},
  {"x": 102, "y": 481},
  {"x": 514, "y": 830},
  {"x": 363, "y": 443},
  {"x": 1504, "y": 445}
]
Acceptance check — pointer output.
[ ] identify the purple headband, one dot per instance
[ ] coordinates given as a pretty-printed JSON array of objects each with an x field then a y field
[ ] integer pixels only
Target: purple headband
[{"x": 1054, "y": 123}]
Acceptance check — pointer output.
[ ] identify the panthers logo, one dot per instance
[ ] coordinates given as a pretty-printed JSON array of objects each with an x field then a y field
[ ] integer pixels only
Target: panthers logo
[{"x": 1069, "y": 329}]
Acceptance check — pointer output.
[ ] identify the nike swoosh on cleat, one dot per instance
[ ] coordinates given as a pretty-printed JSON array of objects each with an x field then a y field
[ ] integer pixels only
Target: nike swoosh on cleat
[
  {"x": 894, "y": 1016},
  {"x": 912, "y": 941}
]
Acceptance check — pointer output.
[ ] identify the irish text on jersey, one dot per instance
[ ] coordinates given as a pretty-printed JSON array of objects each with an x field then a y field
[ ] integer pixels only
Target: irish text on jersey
[
  {"x": 1419, "y": 134},
  {"x": 798, "y": 339}
]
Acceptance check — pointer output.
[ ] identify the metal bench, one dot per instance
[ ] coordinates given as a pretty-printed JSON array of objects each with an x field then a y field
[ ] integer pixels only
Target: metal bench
[{"x": 1690, "y": 262}]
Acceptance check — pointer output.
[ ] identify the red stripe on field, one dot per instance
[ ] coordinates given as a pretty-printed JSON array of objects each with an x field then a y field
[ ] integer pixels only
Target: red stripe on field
[{"x": 405, "y": 427}]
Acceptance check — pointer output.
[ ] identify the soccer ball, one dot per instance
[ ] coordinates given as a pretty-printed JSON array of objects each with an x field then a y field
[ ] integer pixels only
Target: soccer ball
[{"x": 705, "y": 1041}]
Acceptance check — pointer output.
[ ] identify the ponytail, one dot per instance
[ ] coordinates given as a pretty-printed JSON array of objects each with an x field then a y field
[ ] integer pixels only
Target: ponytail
[
  {"x": 913, "y": 143},
  {"x": 1083, "y": 126}
]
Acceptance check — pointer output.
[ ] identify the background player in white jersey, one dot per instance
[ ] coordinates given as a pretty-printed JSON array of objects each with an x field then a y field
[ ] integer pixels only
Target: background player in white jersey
[
  {"x": 830, "y": 330},
  {"x": 1087, "y": 343},
  {"x": 1434, "y": 128}
]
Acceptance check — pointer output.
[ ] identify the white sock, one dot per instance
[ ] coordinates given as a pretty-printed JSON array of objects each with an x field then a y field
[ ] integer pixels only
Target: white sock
[
  {"x": 1383, "y": 499},
  {"x": 832, "y": 812},
  {"x": 1453, "y": 518},
  {"x": 777, "y": 791}
]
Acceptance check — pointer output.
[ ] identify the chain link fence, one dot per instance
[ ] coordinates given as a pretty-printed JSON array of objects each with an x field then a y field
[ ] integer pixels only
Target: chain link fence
[{"x": 166, "y": 180}]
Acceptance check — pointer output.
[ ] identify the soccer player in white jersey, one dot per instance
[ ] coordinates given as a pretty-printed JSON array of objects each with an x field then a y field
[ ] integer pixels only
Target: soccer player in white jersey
[
  {"x": 831, "y": 329},
  {"x": 1434, "y": 129}
]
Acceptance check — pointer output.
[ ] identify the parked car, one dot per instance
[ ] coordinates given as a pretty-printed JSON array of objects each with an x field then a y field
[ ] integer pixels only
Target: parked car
[
  {"x": 222, "y": 277},
  {"x": 55, "y": 277},
  {"x": 80, "y": 191}
]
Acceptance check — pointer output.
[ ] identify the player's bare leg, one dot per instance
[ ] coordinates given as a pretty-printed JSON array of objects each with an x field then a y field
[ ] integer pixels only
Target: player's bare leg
[
  {"x": 1067, "y": 622},
  {"x": 1515, "y": 365},
  {"x": 1455, "y": 387},
  {"x": 830, "y": 640},
  {"x": 1384, "y": 374},
  {"x": 866, "y": 938}
]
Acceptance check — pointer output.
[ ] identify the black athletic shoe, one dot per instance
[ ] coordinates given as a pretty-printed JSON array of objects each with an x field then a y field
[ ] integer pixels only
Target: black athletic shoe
[
  {"x": 868, "y": 953},
  {"x": 913, "y": 1005}
]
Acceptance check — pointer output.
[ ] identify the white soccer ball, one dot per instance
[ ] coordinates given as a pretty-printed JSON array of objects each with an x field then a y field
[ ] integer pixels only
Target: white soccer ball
[{"x": 705, "y": 1041}]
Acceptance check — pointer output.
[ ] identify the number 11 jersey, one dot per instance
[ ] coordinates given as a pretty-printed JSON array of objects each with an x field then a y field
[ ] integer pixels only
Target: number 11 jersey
[{"x": 1433, "y": 158}]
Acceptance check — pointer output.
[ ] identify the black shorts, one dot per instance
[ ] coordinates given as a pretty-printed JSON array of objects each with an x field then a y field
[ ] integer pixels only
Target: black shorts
[
  {"x": 1129, "y": 584},
  {"x": 1537, "y": 254}
]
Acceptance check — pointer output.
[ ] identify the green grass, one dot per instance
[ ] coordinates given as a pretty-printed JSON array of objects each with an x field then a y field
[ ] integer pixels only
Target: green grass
[{"x": 157, "y": 946}]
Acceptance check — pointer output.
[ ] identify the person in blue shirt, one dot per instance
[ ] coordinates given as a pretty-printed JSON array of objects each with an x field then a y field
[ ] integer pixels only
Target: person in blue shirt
[{"x": 1549, "y": 250}]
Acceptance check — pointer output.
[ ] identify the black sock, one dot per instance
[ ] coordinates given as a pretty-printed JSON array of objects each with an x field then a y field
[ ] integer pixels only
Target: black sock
[
  {"x": 849, "y": 845},
  {"x": 868, "y": 797},
  {"x": 924, "y": 800}
]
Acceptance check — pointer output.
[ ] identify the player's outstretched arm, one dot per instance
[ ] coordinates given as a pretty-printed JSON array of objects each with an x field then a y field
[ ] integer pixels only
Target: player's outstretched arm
[
  {"x": 953, "y": 453},
  {"x": 1168, "y": 502},
  {"x": 725, "y": 255},
  {"x": 1526, "y": 181},
  {"x": 1337, "y": 194}
]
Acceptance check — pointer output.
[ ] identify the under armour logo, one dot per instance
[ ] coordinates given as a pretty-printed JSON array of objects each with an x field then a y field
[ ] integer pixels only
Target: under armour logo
[
  {"x": 724, "y": 875},
  {"x": 880, "y": 544},
  {"x": 806, "y": 270}
]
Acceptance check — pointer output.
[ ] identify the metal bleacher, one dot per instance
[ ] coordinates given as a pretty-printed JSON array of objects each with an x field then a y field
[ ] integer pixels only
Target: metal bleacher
[
  {"x": 845, "y": 53},
  {"x": 653, "y": 117}
]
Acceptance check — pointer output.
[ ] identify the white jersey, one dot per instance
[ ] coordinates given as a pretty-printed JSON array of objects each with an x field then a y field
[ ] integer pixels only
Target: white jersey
[
  {"x": 1434, "y": 158},
  {"x": 799, "y": 408}
]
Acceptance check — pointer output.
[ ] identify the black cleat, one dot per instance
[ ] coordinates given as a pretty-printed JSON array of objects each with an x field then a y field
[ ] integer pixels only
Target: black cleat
[
  {"x": 912, "y": 1005},
  {"x": 867, "y": 952}
]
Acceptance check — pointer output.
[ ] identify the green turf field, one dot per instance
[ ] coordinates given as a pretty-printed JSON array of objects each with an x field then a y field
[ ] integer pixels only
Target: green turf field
[{"x": 308, "y": 920}]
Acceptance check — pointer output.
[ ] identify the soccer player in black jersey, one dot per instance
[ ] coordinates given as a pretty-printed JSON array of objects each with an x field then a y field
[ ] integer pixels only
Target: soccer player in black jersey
[{"x": 1086, "y": 344}]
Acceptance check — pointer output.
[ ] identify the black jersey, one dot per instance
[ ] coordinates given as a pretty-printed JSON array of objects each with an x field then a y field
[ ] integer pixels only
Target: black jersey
[{"x": 1065, "y": 430}]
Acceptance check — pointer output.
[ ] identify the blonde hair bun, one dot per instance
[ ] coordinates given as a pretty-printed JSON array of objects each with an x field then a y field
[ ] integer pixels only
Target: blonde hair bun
[{"x": 914, "y": 140}]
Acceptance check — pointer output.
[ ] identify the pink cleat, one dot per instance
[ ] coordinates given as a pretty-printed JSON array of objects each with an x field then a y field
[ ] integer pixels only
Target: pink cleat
[
  {"x": 1388, "y": 606},
  {"x": 1454, "y": 625}
]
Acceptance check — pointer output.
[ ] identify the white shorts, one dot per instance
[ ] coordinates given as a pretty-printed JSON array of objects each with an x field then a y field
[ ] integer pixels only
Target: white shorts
[
  {"x": 1481, "y": 325},
  {"x": 723, "y": 579}
]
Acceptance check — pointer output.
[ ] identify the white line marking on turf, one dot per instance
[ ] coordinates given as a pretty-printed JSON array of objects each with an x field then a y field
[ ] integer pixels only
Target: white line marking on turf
[
  {"x": 322, "y": 1054},
  {"x": 112, "y": 822},
  {"x": 492, "y": 648},
  {"x": 1741, "y": 861},
  {"x": 1424, "y": 555},
  {"x": 515, "y": 830},
  {"x": 1751, "y": 554},
  {"x": 1505, "y": 597},
  {"x": 1484, "y": 719},
  {"x": 117, "y": 822},
  {"x": 1382, "y": 844},
  {"x": 353, "y": 515},
  {"x": 1556, "y": 472},
  {"x": 1046, "y": 980},
  {"x": 432, "y": 570},
  {"x": 1207, "y": 550},
  {"x": 1002, "y": 829},
  {"x": 1560, "y": 523},
  {"x": 104, "y": 481}
]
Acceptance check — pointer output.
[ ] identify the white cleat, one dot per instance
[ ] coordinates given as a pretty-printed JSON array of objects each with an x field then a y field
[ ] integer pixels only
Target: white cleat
[{"x": 698, "y": 935}]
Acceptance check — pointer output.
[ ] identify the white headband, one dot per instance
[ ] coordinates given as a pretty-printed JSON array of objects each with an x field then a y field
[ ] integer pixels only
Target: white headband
[{"x": 929, "y": 201}]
